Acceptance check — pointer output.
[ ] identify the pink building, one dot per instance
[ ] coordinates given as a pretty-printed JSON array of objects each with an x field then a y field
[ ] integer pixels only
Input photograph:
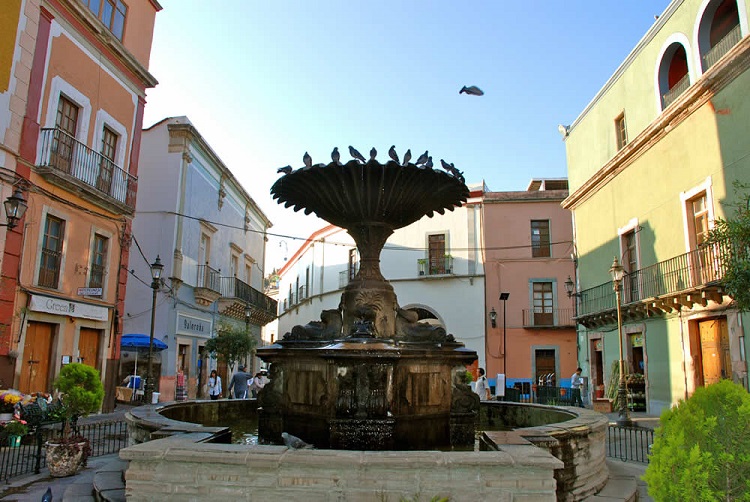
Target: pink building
[{"x": 529, "y": 254}]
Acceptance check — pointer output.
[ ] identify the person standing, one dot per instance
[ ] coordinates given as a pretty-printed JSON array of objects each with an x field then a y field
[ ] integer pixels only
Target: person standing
[
  {"x": 482, "y": 388},
  {"x": 214, "y": 385},
  {"x": 576, "y": 385},
  {"x": 239, "y": 383}
]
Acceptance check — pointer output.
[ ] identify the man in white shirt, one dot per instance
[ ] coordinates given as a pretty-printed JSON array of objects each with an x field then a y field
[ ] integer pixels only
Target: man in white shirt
[
  {"x": 481, "y": 387},
  {"x": 576, "y": 385}
]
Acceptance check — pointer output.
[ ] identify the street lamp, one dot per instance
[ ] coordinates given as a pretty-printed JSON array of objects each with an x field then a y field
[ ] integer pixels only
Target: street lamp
[
  {"x": 493, "y": 318},
  {"x": 504, "y": 298},
  {"x": 156, "y": 269},
  {"x": 15, "y": 208},
  {"x": 617, "y": 273}
]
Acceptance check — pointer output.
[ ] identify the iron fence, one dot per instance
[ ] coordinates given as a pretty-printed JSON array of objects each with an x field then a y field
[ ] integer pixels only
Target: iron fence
[
  {"x": 629, "y": 443},
  {"x": 105, "y": 437}
]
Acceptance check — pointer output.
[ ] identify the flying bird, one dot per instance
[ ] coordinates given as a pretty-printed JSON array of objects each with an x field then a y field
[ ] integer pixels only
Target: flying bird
[
  {"x": 373, "y": 153},
  {"x": 422, "y": 158},
  {"x": 307, "y": 160},
  {"x": 393, "y": 155},
  {"x": 47, "y": 497},
  {"x": 285, "y": 169},
  {"x": 407, "y": 156},
  {"x": 472, "y": 90},
  {"x": 335, "y": 155},
  {"x": 355, "y": 154},
  {"x": 294, "y": 442}
]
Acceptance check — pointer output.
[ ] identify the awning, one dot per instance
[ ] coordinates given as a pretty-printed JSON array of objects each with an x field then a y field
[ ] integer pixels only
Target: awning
[{"x": 140, "y": 341}]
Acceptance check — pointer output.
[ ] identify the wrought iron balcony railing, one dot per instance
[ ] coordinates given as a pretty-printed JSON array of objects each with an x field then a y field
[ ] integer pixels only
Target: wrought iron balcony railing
[
  {"x": 680, "y": 87},
  {"x": 435, "y": 266},
  {"x": 49, "y": 271},
  {"x": 262, "y": 307},
  {"x": 63, "y": 153},
  {"x": 208, "y": 278},
  {"x": 685, "y": 274},
  {"x": 541, "y": 317},
  {"x": 717, "y": 51}
]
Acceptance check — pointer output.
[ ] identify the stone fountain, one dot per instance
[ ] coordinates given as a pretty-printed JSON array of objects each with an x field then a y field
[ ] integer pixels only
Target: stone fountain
[{"x": 368, "y": 375}]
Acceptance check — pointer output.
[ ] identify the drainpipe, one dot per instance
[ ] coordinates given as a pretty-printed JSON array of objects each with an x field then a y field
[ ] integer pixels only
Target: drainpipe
[{"x": 684, "y": 363}]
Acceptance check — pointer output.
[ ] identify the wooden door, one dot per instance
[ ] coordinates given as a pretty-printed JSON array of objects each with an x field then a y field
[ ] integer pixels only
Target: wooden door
[
  {"x": 545, "y": 365},
  {"x": 88, "y": 347},
  {"x": 711, "y": 353},
  {"x": 37, "y": 357}
]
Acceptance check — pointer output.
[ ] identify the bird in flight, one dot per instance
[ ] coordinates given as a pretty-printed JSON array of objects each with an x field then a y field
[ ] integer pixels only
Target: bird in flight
[
  {"x": 285, "y": 169},
  {"x": 472, "y": 90},
  {"x": 393, "y": 155},
  {"x": 355, "y": 154}
]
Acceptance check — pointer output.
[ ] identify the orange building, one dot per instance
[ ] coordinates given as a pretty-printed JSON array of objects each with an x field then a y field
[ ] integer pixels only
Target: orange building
[
  {"x": 75, "y": 90},
  {"x": 528, "y": 239}
]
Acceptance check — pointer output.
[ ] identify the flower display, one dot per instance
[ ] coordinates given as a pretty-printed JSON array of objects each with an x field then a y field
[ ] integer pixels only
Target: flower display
[
  {"x": 15, "y": 428},
  {"x": 9, "y": 399}
]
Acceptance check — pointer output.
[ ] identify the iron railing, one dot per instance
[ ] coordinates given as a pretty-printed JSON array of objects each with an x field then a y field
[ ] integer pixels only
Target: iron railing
[
  {"x": 231, "y": 287},
  {"x": 63, "y": 152},
  {"x": 49, "y": 271},
  {"x": 699, "y": 267},
  {"x": 677, "y": 89},
  {"x": 104, "y": 437},
  {"x": 543, "y": 317},
  {"x": 435, "y": 266},
  {"x": 209, "y": 278},
  {"x": 717, "y": 51},
  {"x": 629, "y": 443}
]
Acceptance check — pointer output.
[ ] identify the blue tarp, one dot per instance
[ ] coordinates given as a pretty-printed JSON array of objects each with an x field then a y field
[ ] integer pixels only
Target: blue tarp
[{"x": 139, "y": 341}]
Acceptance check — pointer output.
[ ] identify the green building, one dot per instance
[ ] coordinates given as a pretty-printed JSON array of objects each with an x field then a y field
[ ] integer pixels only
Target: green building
[{"x": 651, "y": 163}]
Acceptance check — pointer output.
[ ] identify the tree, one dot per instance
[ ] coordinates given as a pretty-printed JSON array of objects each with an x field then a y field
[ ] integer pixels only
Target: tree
[
  {"x": 733, "y": 235},
  {"x": 231, "y": 344},
  {"x": 702, "y": 448}
]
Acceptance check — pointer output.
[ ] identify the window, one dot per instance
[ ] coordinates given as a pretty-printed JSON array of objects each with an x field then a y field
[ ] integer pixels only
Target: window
[
  {"x": 542, "y": 298},
  {"x": 66, "y": 124},
  {"x": 306, "y": 292},
  {"x": 621, "y": 131},
  {"x": 107, "y": 162},
  {"x": 111, "y": 12},
  {"x": 98, "y": 261},
  {"x": 540, "y": 245},
  {"x": 436, "y": 248},
  {"x": 49, "y": 268},
  {"x": 630, "y": 262},
  {"x": 353, "y": 264},
  {"x": 698, "y": 211}
]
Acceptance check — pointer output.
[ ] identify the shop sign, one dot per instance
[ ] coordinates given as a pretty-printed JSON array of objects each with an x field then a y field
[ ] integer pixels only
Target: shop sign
[
  {"x": 58, "y": 306},
  {"x": 636, "y": 340},
  {"x": 193, "y": 325}
]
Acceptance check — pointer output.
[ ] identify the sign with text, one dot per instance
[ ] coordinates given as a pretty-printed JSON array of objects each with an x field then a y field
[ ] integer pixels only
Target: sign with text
[
  {"x": 64, "y": 307},
  {"x": 89, "y": 291},
  {"x": 193, "y": 325}
]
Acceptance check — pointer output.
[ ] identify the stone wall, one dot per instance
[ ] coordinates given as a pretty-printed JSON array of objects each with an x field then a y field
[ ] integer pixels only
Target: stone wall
[{"x": 181, "y": 468}]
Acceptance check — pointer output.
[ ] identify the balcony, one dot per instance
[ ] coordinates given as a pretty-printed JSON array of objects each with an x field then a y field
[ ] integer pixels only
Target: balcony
[
  {"x": 725, "y": 44},
  {"x": 435, "y": 266},
  {"x": 686, "y": 280},
  {"x": 207, "y": 286},
  {"x": 549, "y": 318},
  {"x": 236, "y": 294},
  {"x": 71, "y": 165},
  {"x": 680, "y": 87}
]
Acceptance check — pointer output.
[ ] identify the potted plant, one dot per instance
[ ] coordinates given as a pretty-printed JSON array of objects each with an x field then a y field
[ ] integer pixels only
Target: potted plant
[
  {"x": 81, "y": 393},
  {"x": 15, "y": 429},
  {"x": 422, "y": 264}
]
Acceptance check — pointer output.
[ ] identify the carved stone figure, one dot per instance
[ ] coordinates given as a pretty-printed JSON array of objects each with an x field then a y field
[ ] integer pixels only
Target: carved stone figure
[
  {"x": 328, "y": 328},
  {"x": 409, "y": 329}
]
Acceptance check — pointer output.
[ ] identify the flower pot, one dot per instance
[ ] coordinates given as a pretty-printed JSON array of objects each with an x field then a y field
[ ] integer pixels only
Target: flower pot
[
  {"x": 64, "y": 459},
  {"x": 599, "y": 393},
  {"x": 14, "y": 441}
]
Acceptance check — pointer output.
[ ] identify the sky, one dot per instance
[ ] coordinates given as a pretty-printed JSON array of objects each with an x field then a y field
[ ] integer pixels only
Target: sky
[{"x": 265, "y": 82}]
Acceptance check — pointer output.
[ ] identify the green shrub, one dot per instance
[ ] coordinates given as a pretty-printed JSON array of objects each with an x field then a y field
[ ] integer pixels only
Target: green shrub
[
  {"x": 81, "y": 390},
  {"x": 701, "y": 450}
]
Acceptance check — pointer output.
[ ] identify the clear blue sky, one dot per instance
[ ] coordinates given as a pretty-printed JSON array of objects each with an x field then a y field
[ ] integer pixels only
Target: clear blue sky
[{"x": 266, "y": 81}]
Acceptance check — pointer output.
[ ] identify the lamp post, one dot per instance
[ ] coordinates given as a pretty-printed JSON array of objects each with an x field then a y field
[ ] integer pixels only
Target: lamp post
[
  {"x": 617, "y": 273},
  {"x": 15, "y": 208},
  {"x": 248, "y": 312},
  {"x": 156, "y": 269},
  {"x": 504, "y": 298}
]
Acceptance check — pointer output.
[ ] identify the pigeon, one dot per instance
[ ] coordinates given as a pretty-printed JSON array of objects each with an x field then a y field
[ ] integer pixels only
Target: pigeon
[
  {"x": 307, "y": 160},
  {"x": 335, "y": 155},
  {"x": 445, "y": 165},
  {"x": 47, "y": 497},
  {"x": 294, "y": 442},
  {"x": 355, "y": 154},
  {"x": 373, "y": 153},
  {"x": 393, "y": 155},
  {"x": 285, "y": 169},
  {"x": 407, "y": 156},
  {"x": 428, "y": 164},
  {"x": 422, "y": 158},
  {"x": 472, "y": 90}
]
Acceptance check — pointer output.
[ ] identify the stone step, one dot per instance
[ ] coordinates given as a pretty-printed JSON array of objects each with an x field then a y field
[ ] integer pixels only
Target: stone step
[
  {"x": 109, "y": 481},
  {"x": 624, "y": 484}
]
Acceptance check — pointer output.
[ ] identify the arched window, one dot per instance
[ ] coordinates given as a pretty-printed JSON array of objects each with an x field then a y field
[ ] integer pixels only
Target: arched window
[
  {"x": 674, "y": 77},
  {"x": 718, "y": 31}
]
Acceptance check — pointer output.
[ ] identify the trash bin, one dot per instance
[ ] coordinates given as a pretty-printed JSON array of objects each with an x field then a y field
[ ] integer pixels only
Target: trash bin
[{"x": 155, "y": 397}]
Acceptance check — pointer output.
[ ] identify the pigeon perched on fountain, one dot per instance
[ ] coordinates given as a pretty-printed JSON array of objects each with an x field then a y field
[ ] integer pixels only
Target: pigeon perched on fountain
[
  {"x": 307, "y": 160},
  {"x": 295, "y": 442},
  {"x": 393, "y": 155},
  {"x": 285, "y": 169},
  {"x": 428, "y": 164},
  {"x": 373, "y": 153},
  {"x": 422, "y": 158},
  {"x": 407, "y": 156},
  {"x": 355, "y": 154},
  {"x": 445, "y": 166},
  {"x": 335, "y": 155},
  {"x": 472, "y": 90}
]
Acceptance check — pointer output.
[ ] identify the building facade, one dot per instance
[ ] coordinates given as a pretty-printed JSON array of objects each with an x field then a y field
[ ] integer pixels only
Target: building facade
[
  {"x": 74, "y": 76},
  {"x": 651, "y": 162},
  {"x": 528, "y": 246},
  {"x": 209, "y": 234},
  {"x": 434, "y": 265}
]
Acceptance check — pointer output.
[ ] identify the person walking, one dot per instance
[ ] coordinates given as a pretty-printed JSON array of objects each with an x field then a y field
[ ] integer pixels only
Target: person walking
[
  {"x": 239, "y": 383},
  {"x": 482, "y": 388},
  {"x": 576, "y": 385},
  {"x": 214, "y": 385}
]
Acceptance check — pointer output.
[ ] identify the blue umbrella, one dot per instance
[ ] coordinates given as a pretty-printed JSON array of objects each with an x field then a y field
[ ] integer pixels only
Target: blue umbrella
[{"x": 140, "y": 342}]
